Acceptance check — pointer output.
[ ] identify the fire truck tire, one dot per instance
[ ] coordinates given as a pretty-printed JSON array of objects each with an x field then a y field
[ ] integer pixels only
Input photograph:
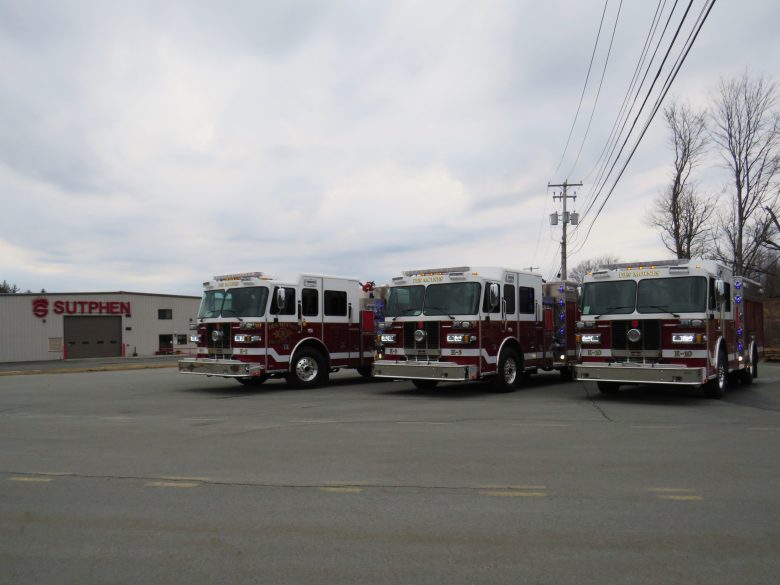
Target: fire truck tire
[
  {"x": 365, "y": 371},
  {"x": 754, "y": 363},
  {"x": 509, "y": 371},
  {"x": 425, "y": 384},
  {"x": 256, "y": 381},
  {"x": 308, "y": 369},
  {"x": 567, "y": 374},
  {"x": 608, "y": 387},
  {"x": 716, "y": 388}
]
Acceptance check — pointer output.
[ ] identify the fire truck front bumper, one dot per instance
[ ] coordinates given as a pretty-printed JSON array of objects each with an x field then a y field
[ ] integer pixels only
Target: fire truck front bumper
[
  {"x": 442, "y": 371},
  {"x": 224, "y": 368},
  {"x": 633, "y": 373}
]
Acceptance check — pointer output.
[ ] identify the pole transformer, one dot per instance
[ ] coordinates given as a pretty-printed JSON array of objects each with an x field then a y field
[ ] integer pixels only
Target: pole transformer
[{"x": 565, "y": 217}]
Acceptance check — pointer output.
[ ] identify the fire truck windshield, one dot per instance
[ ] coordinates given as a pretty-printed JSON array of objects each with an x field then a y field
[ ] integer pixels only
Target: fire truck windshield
[
  {"x": 249, "y": 301},
  {"x": 459, "y": 298},
  {"x": 685, "y": 294},
  {"x": 405, "y": 300},
  {"x": 615, "y": 297}
]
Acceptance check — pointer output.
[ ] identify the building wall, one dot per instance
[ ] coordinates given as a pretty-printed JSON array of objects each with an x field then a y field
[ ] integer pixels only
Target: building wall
[{"x": 27, "y": 337}]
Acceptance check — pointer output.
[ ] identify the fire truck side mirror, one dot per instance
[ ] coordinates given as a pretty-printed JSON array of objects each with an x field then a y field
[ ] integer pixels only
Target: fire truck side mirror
[
  {"x": 281, "y": 297},
  {"x": 720, "y": 289},
  {"x": 494, "y": 295}
]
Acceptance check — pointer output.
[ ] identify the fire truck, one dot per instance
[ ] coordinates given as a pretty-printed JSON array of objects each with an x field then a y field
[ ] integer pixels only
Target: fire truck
[
  {"x": 472, "y": 323},
  {"x": 683, "y": 322},
  {"x": 252, "y": 326}
]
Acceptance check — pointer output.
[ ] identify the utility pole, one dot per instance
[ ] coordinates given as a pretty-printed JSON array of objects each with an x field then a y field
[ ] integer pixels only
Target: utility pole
[{"x": 566, "y": 218}]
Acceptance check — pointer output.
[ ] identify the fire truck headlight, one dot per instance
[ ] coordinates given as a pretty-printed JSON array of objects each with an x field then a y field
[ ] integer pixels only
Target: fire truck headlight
[
  {"x": 697, "y": 323},
  {"x": 247, "y": 338},
  {"x": 194, "y": 338},
  {"x": 387, "y": 338},
  {"x": 683, "y": 338},
  {"x": 591, "y": 338},
  {"x": 460, "y": 338}
]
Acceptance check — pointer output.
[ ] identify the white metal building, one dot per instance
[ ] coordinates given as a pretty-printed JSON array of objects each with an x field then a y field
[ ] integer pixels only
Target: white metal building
[{"x": 54, "y": 326}]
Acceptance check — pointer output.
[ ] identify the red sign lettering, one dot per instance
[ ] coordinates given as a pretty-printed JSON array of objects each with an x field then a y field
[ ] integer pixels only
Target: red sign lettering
[{"x": 40, "y": 308}]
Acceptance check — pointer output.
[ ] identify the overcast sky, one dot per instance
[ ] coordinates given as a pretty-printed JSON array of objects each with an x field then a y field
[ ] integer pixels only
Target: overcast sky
[{"x": 147, "y": 146}]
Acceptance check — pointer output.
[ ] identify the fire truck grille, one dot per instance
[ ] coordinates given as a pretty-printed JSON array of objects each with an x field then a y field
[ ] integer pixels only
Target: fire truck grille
[
  {"x": 431, "y": 340},
  {"x": 221, "y": 348},
  {"x": 649, "y": 340}
]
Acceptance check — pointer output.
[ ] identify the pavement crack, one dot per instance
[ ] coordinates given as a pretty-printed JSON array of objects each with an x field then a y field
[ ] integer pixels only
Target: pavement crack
[{"x": 595, "y": 404}]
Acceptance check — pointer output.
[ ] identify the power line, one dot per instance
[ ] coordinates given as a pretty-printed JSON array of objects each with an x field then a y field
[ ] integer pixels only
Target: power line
[
  {"x": 693, "y": 35},
  {"x": 584, "y": 87},
  {"x": 598, "y": 92}
]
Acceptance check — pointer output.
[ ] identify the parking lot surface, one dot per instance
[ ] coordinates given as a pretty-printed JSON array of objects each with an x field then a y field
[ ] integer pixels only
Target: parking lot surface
[{"x": 152, "y": 476}]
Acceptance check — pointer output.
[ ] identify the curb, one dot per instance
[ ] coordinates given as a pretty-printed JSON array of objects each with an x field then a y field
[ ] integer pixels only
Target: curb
[{"x": 111, "y": 368}]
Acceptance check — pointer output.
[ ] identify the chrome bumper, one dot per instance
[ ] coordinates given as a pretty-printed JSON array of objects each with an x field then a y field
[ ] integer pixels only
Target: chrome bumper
[
  {"x": 224, "y": 368},
  {"x": 444, "y": 371},
  {"x": 640, "y": 373}
]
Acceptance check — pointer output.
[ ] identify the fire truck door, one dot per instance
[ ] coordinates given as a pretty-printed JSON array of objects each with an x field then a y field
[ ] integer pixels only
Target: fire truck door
[
  {"x": 338, "y": 303},
  {"x": 283, "y": 330}
]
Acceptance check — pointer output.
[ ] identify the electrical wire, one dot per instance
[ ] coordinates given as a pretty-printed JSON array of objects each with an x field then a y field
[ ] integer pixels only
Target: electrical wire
[
  {"x": 584, "y": 87},
  {"x": 692, "y": 36},
  {"x": 598, "y": 92}
]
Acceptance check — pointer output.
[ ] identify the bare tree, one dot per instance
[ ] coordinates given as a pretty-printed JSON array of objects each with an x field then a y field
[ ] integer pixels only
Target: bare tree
[
  {"x": 6, "y": 287},
  {"x": 681, "y": 215},
  {"x": 747, "y": 130},
  {"x": 578, "y": 273}
]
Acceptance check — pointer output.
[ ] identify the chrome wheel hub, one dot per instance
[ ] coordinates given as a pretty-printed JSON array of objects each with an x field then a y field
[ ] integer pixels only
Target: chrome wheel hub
[{"x": 306, "y": 369}]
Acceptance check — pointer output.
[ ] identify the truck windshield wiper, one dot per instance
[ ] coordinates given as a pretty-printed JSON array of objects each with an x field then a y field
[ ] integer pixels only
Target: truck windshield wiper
[
  {"x": 662, "y": 308},
  {"x": 610, "y": 309},
  {"x": 404, "y": 312},
  {"x": 443, "y": 312}
]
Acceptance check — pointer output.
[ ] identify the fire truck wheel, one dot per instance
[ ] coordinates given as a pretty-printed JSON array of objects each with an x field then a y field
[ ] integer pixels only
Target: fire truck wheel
[
  {"x": 754, "y": 363},
  {"x": 608, "y": 387},
  {"x": 308, "y": 369},
  {"x": 365, "y": 371},
  {"x": 509, "y": 371},
  {"x": 716, "y": 388},
  {"x": 425, "y": 384},
  {"x": 256, "y": 381},
  {"x": 567, "y": 374}
]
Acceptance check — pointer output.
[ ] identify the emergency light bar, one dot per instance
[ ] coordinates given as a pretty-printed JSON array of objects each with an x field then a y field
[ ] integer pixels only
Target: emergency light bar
[
  {"x": 239, "y": 276},
  {"x": 429, "y": 271},
  {"x": 647, "y": 264}
]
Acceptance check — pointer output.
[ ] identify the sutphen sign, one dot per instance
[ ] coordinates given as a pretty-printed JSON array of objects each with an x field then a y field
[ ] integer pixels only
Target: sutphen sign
[{"x": 41, "y": 307}]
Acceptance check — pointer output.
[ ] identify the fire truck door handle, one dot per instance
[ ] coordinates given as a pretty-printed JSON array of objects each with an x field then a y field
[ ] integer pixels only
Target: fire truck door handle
[{"x": 349, "y": 313}]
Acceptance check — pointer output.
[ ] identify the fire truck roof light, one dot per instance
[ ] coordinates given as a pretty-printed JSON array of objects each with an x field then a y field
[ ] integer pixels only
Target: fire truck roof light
[
  {"x": 239, "y": 275},
  {"x": 678, "y": 270},
  {"x": 428, "y": 271}
]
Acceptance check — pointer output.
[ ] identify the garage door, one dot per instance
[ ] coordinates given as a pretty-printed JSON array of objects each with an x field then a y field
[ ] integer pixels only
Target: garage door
[{"x": 87, "y": 337}]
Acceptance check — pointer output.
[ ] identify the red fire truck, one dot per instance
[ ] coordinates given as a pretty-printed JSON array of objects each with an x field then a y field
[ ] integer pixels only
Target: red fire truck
[
  {"x": 472, "y": 323},
  {"x": 252, "y": 326},
  {"x": 684, "y": 322}
]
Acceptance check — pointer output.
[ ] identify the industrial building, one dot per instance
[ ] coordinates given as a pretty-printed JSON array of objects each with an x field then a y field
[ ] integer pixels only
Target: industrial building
[{"x": 56, "y": 326}]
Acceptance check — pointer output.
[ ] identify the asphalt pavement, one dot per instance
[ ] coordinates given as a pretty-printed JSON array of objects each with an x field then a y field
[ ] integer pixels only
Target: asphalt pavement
[{"x": 158, "y": 477}]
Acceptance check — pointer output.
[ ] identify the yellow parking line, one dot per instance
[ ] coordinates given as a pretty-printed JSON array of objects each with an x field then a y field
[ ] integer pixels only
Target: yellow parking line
[
  {"x": 512, "y": 494},
  {"x": 30, "y": 479},
  {"x": 341, "y": 490},
  {"x": 173, "y": 484},
  {"x": 682, "y": 498},
  {"x": 184, "y": 478},
  {"x": 513, "y": 486}
]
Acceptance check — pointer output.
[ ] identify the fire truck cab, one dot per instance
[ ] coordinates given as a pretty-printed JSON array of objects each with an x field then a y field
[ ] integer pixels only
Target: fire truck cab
[
  {"x": 470, "y": 323},
  {"x": 684, "y": 322},
  {"x": 252, "y": 326}
]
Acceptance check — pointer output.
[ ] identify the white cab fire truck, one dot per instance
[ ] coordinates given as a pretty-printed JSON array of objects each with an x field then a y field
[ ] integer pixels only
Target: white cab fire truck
[
  {"x": 252, "y": 326},
  {"x": 471, "y": 323},
  {"x": 684, "y": 322}
]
